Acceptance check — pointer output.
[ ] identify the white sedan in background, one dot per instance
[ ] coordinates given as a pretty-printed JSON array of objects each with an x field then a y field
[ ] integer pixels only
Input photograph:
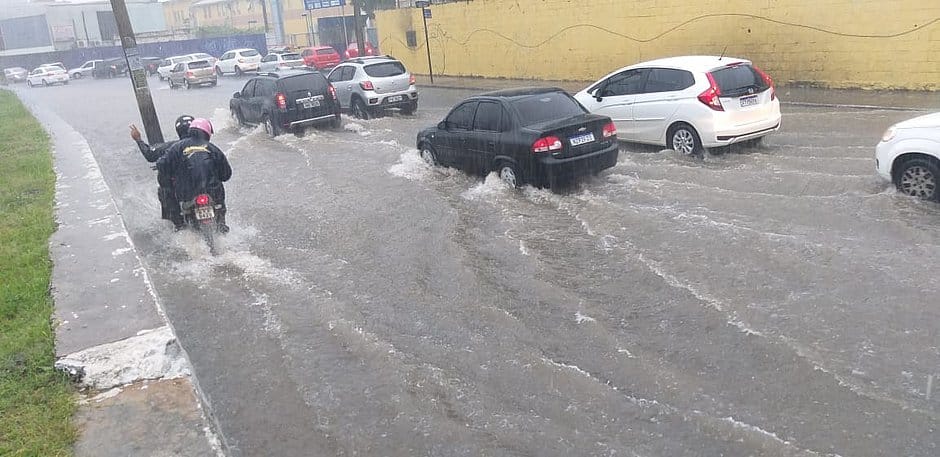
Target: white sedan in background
[
  {"x": 909, "y": 156},
  {"x": 687, "y": 103},
  {"x": 47, "y": 76},
  {"x": 275, "y": 62},
  {"x": 238, "y": 61}
]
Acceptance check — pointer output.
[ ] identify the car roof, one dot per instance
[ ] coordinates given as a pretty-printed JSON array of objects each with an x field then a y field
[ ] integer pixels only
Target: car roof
[
  {"x": 691, "y": 63},
  {"x": 371, "y": 59},
  {"x": 241, "y": 50},
  {"x": 520, "y": 92},
  {"x": 287, "y": 73}
]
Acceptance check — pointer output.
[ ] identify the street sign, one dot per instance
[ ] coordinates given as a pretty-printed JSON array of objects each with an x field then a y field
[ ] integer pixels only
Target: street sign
[
  {"x": 319, "y": 4},
  {"x": 427, "y": 13},
  {"x": 422, "y": 4}
]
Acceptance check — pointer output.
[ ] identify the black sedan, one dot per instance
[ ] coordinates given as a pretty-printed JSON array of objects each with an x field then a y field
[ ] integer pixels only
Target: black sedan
[{"x": 540, "y": 136}]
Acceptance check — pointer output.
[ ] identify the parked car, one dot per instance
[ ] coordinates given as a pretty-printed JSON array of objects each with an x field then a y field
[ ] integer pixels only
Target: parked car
[
  {"x": 352, "y": 51},
  {"x": 206, "y": 57},
  {"x": 238, "y": 61},
  {"x": 320, "y": 57},
  {"x": 909, "y": 156},
  {"x": 47, "y": 76},
  {"x": 280, "y": 49},
  {"x": 285, "y": 101},
  {"x": 366, "y": 86},
  {"x": 541, "y": 136},
  {"x": 687, "y": 103},
  {"x": 110, "y": 68},
  {"x": 276, "y": 62},
  {"x": 151, "y": 64},
  {"x": 54, "y": 64},
  {"x": 15, "y": 74},
  {"x": 194, "y": 73},
  {"x": 86, "y": 69},
  {"x": 163, "y": 71}
]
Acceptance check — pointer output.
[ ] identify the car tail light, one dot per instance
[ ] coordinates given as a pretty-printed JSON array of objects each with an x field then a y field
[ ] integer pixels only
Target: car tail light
[
  {"x": 711, "y": 95},
  {"x": 768, "y": 80},
  {"x": 366, "y": 85},
  {"x": 189, "y": 74},
  {"x": 281, "y": 100},
  {"x": 610, "y": 130},
  {"x": 202, "y": 199},
  {"x": 546, "y": 144},
  {"x": 411, "y": 80},
  {"x": 333, "y": 92}
]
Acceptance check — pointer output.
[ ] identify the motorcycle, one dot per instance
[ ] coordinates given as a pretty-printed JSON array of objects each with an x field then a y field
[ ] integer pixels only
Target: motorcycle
[{"x": 203, "y": 215}]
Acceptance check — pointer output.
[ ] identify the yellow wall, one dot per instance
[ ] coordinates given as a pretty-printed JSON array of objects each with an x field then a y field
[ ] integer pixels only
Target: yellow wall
[
  {"x": 233, "y": 13},
  {"x": 176, "y": 13},
  {"x": 833, "y": 43}
]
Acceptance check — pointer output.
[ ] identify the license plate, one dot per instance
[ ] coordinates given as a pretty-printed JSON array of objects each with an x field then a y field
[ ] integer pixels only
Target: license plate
[
  {"x": 394, "y": 99},
  {"x": 749, "y": 101},
  {"x": 582, "y": 139},
  {"x": 311, "y": 104},
  {"x": 204, "y": 212}
]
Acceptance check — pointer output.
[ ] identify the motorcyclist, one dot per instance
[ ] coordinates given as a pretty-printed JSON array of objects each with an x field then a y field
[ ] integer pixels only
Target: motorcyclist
[
  {"x": 196, "y": 165},
  {"x": 170, "y": 206}
]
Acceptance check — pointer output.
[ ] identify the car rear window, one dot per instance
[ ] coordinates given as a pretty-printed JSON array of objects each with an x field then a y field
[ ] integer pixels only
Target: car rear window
[
  {"x": 385, "y": 69},
  {"x": 738, "y": 80},
  {"x": 291, "y": 57},
  {"x": 198, "y": 64},
  {"x": 250, "y": 53},
  {"x": 313, "y": 82},
  {"x": 324, "y": 52},
  {"x": 539, "y": 108}
]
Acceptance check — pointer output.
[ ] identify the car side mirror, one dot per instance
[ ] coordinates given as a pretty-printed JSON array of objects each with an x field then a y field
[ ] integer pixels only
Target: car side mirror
[
  {"x": 442, "y": 125},
  {"x": 237, "y": 95}
]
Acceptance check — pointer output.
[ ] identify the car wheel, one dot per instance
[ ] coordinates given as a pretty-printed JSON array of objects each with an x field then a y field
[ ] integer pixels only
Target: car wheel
[
  {"x": 237, "y": 116},
  {"x": 213, "y": 83},
  {"x": 428, "y": 154},
  {"x": 77, "y": 76},
  {"x": 683, "y": 139},
  {"x": 186, "y": 84},
  {"x": 66, "y": 82},
  {"x": 509, "y": 173},
  {"x": 270, "y": 127},
  {"x": 919, "y": 177},
  {"x": 337, "y": 122},
  {"x": 45, "y": 83},
  {"x": 29, "y": 83},
  {"x": 238, "y": 71},
  {"x": 410, "y": 108},
  {"x": 359, "y": 109},
  {"x": 172, "y": 86},
  {"x": 218, "y": 71}
]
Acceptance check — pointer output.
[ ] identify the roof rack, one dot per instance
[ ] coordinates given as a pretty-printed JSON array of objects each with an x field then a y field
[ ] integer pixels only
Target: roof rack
[{"x": 364, "y": 58}]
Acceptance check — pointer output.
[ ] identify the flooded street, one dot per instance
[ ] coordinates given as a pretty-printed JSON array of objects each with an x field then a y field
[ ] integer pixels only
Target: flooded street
[{"x": 771, "y": 300}]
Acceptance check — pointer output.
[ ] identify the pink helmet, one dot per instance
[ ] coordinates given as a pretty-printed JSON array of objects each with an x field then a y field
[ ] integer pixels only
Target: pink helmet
[{"x": 201, "y": 124}]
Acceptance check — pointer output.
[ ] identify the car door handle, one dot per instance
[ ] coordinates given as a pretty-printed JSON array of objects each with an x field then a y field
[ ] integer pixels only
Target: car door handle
[{"x": 491, "y": 146}]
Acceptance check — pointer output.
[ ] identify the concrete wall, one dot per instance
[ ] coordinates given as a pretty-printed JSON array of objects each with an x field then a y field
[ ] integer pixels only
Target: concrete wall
[{"x": 832, "y": 43}]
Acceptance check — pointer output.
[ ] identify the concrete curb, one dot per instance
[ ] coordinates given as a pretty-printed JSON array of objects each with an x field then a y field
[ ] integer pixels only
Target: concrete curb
[{"x": 121, "y": 343}]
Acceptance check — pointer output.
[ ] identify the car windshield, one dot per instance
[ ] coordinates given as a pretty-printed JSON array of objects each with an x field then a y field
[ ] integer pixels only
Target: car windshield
[
  {"x": 250, "y": 53},
  {"x": 385, "y": 69},
  {"x": 549, "y": 106},
  {"x": 291, "y": 57},
  {"x": 198, "y": 64},
  {"x": 313, "y": 82},
  {"x": 738, "y": 80},
  {"x": 325, "y": 51}
]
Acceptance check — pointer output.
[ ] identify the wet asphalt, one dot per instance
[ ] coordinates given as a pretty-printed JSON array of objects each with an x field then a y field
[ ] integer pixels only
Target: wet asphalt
[{"x": 774, "y": 300}]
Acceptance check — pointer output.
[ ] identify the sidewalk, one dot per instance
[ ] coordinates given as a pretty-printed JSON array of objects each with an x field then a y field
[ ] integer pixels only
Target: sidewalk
[
  {"x": 789, "y": 95},
  {"x": 139, "y": 397}
]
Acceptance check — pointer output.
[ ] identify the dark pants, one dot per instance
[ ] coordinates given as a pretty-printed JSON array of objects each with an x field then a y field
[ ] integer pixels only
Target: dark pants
[{"x": 170, "y": 206}]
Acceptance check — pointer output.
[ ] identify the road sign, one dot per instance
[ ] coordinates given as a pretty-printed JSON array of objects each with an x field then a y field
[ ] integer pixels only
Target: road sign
[
  {"x": 427, "y": 13},
  {"x": 319, "y": 4},
  {"x": 422, "y": 4}
]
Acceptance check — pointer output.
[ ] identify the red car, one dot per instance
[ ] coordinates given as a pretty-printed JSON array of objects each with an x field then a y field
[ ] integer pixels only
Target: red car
[
  {"x": 352, "y": 51},
  {"x": 320, "y": 57}
]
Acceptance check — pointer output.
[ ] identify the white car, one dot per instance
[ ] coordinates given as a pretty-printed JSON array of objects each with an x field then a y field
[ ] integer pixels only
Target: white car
[
  {"x": 47, "y": 76},
  {"x": 275, "y": 62},
  {"x": 687, "y": 103},
  {"x": 238, "y": 61},
  {"x": 204, "y": 56},
  {"x": 909, "y": 156},
  {"x": 163, "y": 71},
  {"x": 87, "y": 69}
]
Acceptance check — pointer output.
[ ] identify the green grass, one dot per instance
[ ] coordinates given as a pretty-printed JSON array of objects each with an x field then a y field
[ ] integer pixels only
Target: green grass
[{"x": 36, "y": 401}]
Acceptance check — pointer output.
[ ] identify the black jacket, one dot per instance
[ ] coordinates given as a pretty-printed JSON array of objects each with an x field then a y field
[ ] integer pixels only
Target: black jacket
[
  {"x": 198, "y": 166},
  {"x": 153, "y": 153}
]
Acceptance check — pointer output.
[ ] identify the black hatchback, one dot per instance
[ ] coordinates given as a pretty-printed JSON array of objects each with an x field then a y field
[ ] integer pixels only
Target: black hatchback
[
  {"x": 286, "y": 101},
  {"x": 540, "y": 136}
]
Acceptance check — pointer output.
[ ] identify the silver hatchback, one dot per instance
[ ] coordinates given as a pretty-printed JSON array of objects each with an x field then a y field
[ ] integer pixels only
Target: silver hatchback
[{"x": 369, "y": 85}]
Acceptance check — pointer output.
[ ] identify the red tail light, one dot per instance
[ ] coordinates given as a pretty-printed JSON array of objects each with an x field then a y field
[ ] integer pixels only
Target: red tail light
[
  {"x": 189, "y": 74},
  {"x": 367, "y": 85},
  {"x": 610, "y": 130},
  {"x": 202, "y": 199},
  {"x": 711, "y": 95},
  {"x": 333, "y": 92},
  {"x": 411, "y": 80},
  {"x": 768, "y": 80},
  {"x": 546, "y": 144},
  {"x": 281, "y": 100}
]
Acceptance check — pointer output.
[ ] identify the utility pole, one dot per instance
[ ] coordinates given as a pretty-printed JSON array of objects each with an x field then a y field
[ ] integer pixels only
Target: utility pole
[
  {"x": 135, "y": 68},
  {"x": 264, "y": 15},
  {"x": 357, "y": 11}
]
